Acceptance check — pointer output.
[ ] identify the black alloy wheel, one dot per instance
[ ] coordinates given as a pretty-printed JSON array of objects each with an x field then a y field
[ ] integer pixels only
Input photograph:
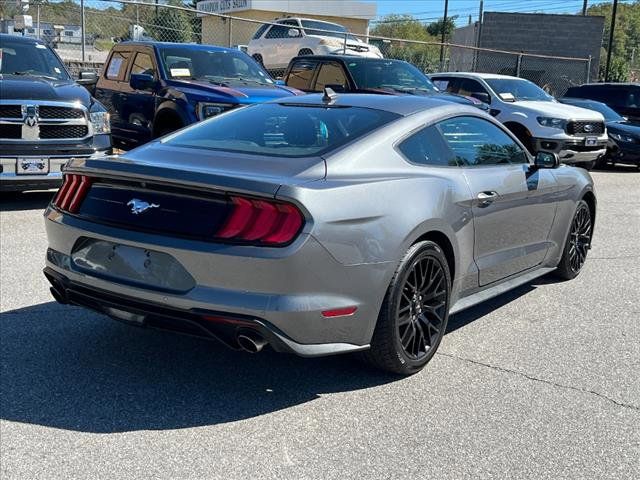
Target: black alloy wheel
[
  {"x": 578, "y": 243},
  {"x": 421, "y": 307},
  {"x": 414, "y": 314}
]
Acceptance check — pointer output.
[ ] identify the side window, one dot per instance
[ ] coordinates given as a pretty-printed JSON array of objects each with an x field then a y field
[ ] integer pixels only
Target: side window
[
  {"x": 427, "y": 147},
  {"x": 331, "y": 74},
  {"x": 117, "y": 66},
  {"x": 143, "y": 64},
  {"x": 277, "y": 31},
  {"x": 260, "y": 31},
  {"x": 469, "y": 86},
  {"x": 476, "y": 142},
  {"x": 301, "y": 75},
  {"x": 447, "y": 84}
]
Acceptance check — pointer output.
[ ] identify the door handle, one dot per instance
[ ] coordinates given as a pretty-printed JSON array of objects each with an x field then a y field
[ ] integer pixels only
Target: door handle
[{"x": 487, "y": 198}]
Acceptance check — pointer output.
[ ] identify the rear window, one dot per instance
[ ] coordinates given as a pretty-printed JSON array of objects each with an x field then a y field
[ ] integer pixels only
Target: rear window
[{"x": 283, "y": 130}]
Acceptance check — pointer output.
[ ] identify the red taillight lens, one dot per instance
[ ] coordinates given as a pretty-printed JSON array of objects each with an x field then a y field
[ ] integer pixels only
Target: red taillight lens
[
  {"x": 261, "y": 221},
  {"x": 72, "y": 193}
]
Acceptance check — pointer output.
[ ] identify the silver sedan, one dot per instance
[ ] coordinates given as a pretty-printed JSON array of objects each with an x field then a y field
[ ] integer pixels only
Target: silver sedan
[{"x": 318, "y": 225}]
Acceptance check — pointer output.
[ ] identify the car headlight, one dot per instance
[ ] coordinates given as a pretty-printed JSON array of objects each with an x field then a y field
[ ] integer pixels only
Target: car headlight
[
  {"x": 207, "y": 109},
  {"x": 552, "y": 122},
  {"x": 621, "y": 137},
  {"x": 100, "y": 122}
]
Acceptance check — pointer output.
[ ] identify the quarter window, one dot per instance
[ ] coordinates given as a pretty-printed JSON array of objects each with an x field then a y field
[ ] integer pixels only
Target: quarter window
[
  {"x": 477, "y": 142},
  {"x": 117, "y": 65},
  {"x": 143, "y": 64},
  {"x": 301, "y": 75},
  {"x": 427, "y": 147},
  {"x": 331, "y": 74}
]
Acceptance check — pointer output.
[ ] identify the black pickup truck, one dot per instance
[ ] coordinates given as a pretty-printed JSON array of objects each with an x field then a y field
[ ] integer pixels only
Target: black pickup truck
[{"x": 46, "y": 117}]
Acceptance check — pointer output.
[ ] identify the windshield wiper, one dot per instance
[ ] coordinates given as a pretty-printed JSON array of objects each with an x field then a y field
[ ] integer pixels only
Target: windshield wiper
[{"x": 34, "y": 74}]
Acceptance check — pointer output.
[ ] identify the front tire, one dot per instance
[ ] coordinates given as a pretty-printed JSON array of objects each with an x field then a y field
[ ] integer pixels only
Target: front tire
[
  {"x": 578, "y": 243},
  {"x": 414, "y": 314}
]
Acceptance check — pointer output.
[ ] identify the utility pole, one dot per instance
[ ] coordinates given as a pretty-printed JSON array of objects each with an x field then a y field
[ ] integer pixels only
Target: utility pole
[
  {"x": 444, "y": 33},
  {"x": 584, "y": 8},
  {"x": 82, "y": 34},
  {"x": 610, "y": 46}
]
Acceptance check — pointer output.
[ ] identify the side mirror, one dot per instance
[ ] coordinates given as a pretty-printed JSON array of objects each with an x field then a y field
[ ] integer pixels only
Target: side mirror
[
  {"x": 293, "y": 32},
  {"x": 87, "y": 78},
  {"x": 546, "y": 160},
  {"x": 142, "y": 81},
  {"x": 482, "y": 96}
]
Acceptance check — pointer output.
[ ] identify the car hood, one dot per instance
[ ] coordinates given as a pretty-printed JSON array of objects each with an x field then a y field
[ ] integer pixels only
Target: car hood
[
  {"x": 626, "y": 127},
  {"x": 26, "y": 87},
  {"x": 560, "y": 110},
  {"x": 235, "y": 93}
]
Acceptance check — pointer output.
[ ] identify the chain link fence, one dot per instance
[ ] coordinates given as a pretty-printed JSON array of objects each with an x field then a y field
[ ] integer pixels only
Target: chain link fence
[{"x": 83, "y": 32}]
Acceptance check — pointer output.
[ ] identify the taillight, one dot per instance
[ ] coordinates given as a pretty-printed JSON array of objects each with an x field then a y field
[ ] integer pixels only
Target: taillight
[
  {"x": 261, "y": 222},
  {"x": 71, "y": 194}
]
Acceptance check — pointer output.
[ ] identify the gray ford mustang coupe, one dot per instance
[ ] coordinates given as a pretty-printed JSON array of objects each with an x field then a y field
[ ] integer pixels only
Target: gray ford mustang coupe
[{"x": 317, "y": 225}]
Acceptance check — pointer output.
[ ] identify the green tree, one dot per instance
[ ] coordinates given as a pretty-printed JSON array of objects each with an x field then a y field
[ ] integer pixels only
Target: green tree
[
  {"x": 171, "y": 25},
  {"x": 435, "y": 28}
]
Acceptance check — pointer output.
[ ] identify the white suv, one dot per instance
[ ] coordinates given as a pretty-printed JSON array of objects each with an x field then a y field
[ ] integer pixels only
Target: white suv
[
  {"x": 540, "y": 122},
  {"x": 274, "y": 45}
]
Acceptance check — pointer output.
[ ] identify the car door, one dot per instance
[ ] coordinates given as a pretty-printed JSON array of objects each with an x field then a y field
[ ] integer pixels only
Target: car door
[
  {"x": 513, "y": 205},
  {"x": 109, "y": 92},
  {"x": 139, "y": 105}
]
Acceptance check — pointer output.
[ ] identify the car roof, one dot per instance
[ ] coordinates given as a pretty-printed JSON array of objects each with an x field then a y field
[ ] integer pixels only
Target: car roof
[
  {"x": 20, "y": 38},
  {"x": 400, "y": 105},
  {"x": 608, "y": 84},
  {"x": 474, "y": 75},
  {"x": 346, "y": 58},
  {"x": 579, "y": 100},
  {"x": 195, "y": 46},
  {"x": 309, "y": 19}
]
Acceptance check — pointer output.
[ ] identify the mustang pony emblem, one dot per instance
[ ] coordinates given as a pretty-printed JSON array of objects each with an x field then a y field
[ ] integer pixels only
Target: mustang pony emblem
[{"x": 140, "y": 206}]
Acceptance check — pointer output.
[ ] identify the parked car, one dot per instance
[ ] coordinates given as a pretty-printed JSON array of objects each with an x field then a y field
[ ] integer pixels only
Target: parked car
[
  {"x": 346, "y": 73},
  {"x": 338, "y": 223},
  {"x": 624, "y": 136},
  {"x": 46, "y": 117},
  {"x": 624, "y": 98},
  {"x": 154, "y": 88},
  {"x": 577, "y": 135},
  {"x": 275, "y": 45}
]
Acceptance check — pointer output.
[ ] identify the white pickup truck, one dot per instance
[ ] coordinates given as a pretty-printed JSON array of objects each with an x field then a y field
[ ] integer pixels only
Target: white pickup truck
[{"x": 577, "y": 135}]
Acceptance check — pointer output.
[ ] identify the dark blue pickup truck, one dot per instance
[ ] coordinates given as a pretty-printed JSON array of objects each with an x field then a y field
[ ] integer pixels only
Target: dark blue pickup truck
[{"x": 154, "y": 88}]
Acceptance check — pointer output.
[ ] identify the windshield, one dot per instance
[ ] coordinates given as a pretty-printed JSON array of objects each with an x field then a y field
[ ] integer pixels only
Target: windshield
[
  {"x": 518, "y": 89},
  {"x": 389, "y": 75},
  {"x": 324, "y": 29},
  {"x": 221, "y": 67},
  {"x": 608, "y": 114},
  {"x": 283, "y": 130},
  {"x": 26, "y": 58}
]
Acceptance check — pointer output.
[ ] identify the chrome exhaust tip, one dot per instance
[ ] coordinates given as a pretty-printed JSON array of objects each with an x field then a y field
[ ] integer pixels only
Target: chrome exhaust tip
[{"x": 251, "y": 342}]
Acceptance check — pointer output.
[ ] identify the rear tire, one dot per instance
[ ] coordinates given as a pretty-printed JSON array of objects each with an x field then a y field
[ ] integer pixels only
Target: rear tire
[
  {"x": 414, "y": 314},
  {"x": 577, "y": 244}
]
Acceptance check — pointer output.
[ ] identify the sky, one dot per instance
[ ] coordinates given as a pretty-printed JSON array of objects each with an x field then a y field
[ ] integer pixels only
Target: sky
[{"x": 431, "y": 10}]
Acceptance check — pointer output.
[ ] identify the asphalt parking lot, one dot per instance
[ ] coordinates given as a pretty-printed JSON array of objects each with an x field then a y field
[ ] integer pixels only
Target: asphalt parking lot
[{"x": 542, "y": 382}]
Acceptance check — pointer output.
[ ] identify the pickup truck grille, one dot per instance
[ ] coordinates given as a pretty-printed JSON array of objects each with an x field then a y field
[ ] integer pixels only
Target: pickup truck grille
[
  {"x": 585, "y": 128},
  {"x": 32, "y": 121}
]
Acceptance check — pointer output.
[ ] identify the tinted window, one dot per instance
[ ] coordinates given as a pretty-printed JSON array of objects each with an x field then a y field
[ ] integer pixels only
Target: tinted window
[
  {"x": 388, "y": 74},
  {"x": 331, "y": 74},
  {"x": 447, "y": 84},
  {"x": 475, "y": 141},
  {"x": 301, "y": 74},
  {"x": 143, "y": 64},
  {"x": 608, "y": 114},
  {"x": 469, "y": 86},
  {"x": 221, "y": 67},
  {"x": 278, "y": 32},
  {"x": 260, "y": 31},
  {"x": 427, "y": 147},
  {"x": 283, "y": 130},
  {"x": 117, "y": 65},
  {"x": 22, "y": 58}
]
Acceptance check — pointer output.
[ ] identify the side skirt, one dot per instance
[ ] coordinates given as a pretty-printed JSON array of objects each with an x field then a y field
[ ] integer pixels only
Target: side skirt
[{"x": 484, "y": 295}]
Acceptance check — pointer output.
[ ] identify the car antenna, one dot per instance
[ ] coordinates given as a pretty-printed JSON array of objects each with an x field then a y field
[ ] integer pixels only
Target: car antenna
[{"x": 329, "y": 95}]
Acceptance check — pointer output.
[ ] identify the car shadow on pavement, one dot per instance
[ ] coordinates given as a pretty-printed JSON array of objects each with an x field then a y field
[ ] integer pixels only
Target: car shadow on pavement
[
  {"x": 65, "y": 367},
  {"x": 17, "y": 201}
]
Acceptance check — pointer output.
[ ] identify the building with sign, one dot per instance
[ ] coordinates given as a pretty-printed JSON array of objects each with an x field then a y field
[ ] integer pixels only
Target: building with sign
[{"x": 354, "y": 15}]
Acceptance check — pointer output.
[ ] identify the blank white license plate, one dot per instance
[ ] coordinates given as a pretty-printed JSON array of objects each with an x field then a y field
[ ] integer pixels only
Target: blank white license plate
[
  {"x": 591, "y": 141},
  {"x": 32, "y": 166}
]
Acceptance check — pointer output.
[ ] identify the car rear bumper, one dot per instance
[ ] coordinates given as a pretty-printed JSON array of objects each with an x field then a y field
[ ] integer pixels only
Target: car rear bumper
[
  {"x": 571, "y": 151},
  {"x": 280, "y": 292}
]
